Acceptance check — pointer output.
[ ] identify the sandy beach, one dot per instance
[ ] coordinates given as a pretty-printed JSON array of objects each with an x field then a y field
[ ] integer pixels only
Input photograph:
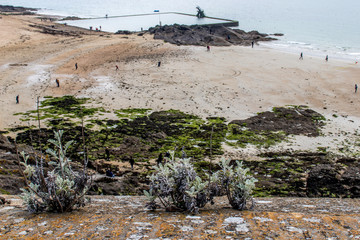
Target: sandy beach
[{"x": 232, "y": 82}]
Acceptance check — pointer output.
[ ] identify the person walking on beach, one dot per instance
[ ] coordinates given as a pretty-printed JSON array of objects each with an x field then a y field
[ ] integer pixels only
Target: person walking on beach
[
  {"x": 76, "y": 66},
  {"x": 132, "y": 162},
  {"x": 355, "y": 87},
  {"x": 17, "y": 99},
  {"x": 116, "y": 67},
  {"x": 326, "y": 58},
  {"x": 301, "y": 56},
  {"x": 107, "y": 154},
  {"x": 57, "y": 82},
  {"x": 160, "y": 159},
  {"x": 159, "y": 64},
  {"x": 252, "y": 44},
  {"x": 208, "y": 48}
]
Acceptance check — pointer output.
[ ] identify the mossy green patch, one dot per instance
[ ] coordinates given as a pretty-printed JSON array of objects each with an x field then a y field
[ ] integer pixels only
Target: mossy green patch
[
  {"x": 243, "y": 136},
  {"x": 3, "y": 191}
]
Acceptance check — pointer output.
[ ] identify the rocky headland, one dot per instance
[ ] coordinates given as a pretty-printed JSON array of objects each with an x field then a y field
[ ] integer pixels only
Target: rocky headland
[
  {"x": 212, "y": 35},
  {"x": 7, "y": 9}
]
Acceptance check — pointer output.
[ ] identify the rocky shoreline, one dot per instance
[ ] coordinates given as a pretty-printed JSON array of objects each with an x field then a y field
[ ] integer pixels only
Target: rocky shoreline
[
  {"x": 7, "y": 9},
  {"x": 212, "y": 35},
  {"x": 281, "y": 173}
]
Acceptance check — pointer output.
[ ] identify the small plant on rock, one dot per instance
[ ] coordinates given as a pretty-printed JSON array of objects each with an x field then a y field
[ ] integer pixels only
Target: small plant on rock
[
  {"x": 236, "y": 182},
  {"x": 179, "y": 188},
  {"x": 58, "y": 189}
]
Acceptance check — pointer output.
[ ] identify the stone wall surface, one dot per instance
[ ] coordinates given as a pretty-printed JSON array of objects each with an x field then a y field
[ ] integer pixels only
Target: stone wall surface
[{"x": 124, "y": 217}]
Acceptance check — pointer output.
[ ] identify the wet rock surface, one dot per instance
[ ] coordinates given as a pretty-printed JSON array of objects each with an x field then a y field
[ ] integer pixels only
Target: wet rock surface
[
  {"x": 290, "y": 120},
  {"x": 207, "y": 35},
  {"x": 142, "y": 137},
  {"x": 306, "y": 174},
  {"x": 329, "y": 180},
  {"x": 124, "y": 217},
  {"x": 11, "y": 179}
]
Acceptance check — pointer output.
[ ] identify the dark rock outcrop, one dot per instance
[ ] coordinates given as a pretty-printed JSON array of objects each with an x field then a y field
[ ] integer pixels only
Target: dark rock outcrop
[
  {"x": 10, "y": 177},
  {"x": 306, "y": 174},
  {"x": 329, "y": 180},
  {"x": 54, "y": 30},
  {"x": 12, "y": 9},
  {"x": 5, "y": 144},
  {"x": 290, "y": 120},
  {"x": 215, "y": 35},
  {"x": 127, "y": 184},
  {"x": 4, "y": 201}
]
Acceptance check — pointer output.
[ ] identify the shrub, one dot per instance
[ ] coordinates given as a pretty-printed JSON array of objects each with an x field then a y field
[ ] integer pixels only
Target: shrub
[
  {"x": 178, "y": 187},
  {"x": 58, "y": 189},
  {"x": 236, "y": 183}
]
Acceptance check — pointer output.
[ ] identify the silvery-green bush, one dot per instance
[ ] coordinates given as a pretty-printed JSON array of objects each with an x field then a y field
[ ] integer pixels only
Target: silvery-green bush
[
  {"x": 235, "y": 182},
  {"x": 178, "y": 187},
  {"x": 59, "y": 189}
]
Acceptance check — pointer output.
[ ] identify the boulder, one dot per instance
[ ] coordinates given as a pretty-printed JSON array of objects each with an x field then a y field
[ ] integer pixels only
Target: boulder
[
  {"x": 5, "y": 144},
  {"x": 128, "y": 184},
  {"x": 4, "y": 201},
  {"x": 350, "y": 180}
]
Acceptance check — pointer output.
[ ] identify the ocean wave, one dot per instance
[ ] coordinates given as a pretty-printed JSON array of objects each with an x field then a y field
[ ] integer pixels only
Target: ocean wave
[
  {"x": 276, "y": 45},
  {"x": 319, "y": 51},
  {"x": 297, "y": 43}
]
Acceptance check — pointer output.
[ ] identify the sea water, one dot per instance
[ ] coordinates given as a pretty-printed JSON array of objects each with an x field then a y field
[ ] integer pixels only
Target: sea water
[
  {"x": 139, "y": 22},
  {"x": 316, "y": 27}
]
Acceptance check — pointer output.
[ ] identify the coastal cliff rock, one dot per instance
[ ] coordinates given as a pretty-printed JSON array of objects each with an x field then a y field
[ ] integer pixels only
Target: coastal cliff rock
[{"x": 216, "y": 35}]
